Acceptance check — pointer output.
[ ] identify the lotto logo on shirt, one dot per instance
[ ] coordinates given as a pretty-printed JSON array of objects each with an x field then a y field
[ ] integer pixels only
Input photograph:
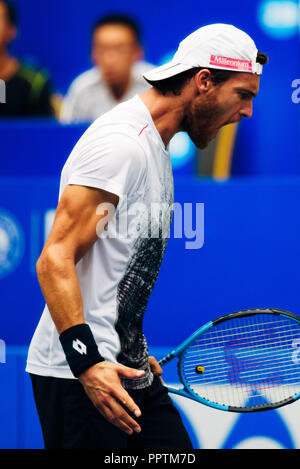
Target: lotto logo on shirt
[{"x": 2, "y": 92}]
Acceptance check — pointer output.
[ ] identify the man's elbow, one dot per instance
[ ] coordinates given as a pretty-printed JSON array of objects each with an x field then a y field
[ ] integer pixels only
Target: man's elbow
[
  {"x": 48, "y": 262},
  {"x": 42, "y": 265}
]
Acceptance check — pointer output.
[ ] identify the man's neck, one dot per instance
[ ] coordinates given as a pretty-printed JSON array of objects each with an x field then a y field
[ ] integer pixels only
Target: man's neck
[
  {"x": 120, "y": 90},
  {"x": 167, "y": 112}
]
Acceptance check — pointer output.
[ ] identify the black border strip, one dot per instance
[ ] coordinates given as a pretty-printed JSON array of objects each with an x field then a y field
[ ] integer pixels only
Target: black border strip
[
  {"x": 252, "y": 312},
  {"x": 260, "y": 408}
]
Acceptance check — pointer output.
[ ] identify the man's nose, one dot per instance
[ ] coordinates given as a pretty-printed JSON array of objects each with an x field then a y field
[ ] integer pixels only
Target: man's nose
[{"x": 247, "y": 109}]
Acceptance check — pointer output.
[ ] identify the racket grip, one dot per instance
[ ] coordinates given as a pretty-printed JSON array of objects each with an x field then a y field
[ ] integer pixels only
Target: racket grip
[{"x": 166, "y": 359}]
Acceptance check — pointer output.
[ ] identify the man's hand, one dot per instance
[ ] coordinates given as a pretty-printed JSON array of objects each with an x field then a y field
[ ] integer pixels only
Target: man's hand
[
  {"x": 155, "y": 367},
  {"x": 102, "y": 384}
]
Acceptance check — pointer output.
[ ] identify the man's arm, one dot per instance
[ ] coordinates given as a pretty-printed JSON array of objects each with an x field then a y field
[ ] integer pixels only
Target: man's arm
[{"x": 73, "y": 234}]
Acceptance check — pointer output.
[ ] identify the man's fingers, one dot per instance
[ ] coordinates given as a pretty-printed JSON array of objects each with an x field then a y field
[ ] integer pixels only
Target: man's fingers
[
  {"x": 121, "y": 394},
  {"x": 155, "y": 366},
  {"x": 117, "y": 416},
  {"x": 128, "y": 402},
  {"x": 127, "y": 372},
  {"x": 103, "y": 386},
  {"x": 110, "y": 416},
  {"x": 122, "y": 416}
]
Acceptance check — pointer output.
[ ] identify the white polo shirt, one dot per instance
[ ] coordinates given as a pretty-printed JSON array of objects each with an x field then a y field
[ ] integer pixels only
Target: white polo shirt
[{"x": 123, "y": 153}]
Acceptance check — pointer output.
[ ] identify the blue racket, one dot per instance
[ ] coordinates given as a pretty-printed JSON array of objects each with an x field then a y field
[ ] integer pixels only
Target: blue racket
[{"x": 246, "y": 361}]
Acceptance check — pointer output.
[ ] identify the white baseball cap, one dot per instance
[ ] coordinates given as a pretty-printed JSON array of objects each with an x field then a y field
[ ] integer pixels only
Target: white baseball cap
[{"x": 220, "y": 46}]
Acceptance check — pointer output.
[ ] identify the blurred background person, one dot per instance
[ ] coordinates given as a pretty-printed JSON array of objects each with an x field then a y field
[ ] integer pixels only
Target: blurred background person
[
  {"x": 117, "y": 55},
  {"x": 28, "y": 91}
]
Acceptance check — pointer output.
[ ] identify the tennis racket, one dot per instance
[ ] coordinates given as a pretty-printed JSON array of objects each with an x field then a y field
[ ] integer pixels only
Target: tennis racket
[{"x": 246, "y": 361}]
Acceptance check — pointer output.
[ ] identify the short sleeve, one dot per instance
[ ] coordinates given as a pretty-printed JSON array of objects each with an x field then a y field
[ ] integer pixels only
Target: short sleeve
[{"x": 113, "y": 162}]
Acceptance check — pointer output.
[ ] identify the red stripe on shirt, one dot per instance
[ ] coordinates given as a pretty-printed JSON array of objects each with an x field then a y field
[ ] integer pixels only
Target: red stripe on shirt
[{"x": 143, "y": 129}]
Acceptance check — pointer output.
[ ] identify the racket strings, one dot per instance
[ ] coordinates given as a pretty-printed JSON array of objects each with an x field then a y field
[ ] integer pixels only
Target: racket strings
[
  {"x": 261, "y": 377},
  {"x": 210, "y": 358},
  {"x": 283, "y": 344},
  {"x": 230, "y": 336},
  {"x": 238, "y": 349},
  {"x": 251, "y": 364},
  {"x": 247, "y": 361},
  {"x": 239, "y": 328},
  {"x": 222, "y": 377}
]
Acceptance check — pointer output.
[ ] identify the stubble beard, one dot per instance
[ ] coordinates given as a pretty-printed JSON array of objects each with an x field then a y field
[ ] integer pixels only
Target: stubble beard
[{"x": 200, "y": 120}]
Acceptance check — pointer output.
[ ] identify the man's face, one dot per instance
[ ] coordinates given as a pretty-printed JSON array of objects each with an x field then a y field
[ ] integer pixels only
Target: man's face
[
  {"x": 223, "y": 104},
  {"x": 7, "y": 30},
  {"x": 115, "y": 49}
]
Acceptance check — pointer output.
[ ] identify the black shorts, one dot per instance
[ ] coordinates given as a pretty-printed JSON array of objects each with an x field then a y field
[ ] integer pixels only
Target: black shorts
[{"x": 69, "y": 420}]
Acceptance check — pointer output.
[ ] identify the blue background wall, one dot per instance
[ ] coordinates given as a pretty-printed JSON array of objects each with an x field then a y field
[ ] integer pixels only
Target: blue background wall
[{"x": 250, "y": 255}]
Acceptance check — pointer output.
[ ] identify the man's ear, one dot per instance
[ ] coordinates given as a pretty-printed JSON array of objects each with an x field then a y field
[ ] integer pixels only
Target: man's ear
[
  {"x": 139, "y": 53},
  {"x": 203, "y": 81}
]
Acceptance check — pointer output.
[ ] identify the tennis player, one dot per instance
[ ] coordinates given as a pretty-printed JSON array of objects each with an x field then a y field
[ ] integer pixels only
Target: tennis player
[{"x": 93, "y": 382}]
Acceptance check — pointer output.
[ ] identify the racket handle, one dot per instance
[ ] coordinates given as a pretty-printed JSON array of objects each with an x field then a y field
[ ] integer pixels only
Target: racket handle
[{"x": 166, "y": 359}]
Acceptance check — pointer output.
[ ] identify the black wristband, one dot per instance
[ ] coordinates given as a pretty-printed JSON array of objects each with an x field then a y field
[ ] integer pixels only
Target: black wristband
[{"x": 80, "y": 348}]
